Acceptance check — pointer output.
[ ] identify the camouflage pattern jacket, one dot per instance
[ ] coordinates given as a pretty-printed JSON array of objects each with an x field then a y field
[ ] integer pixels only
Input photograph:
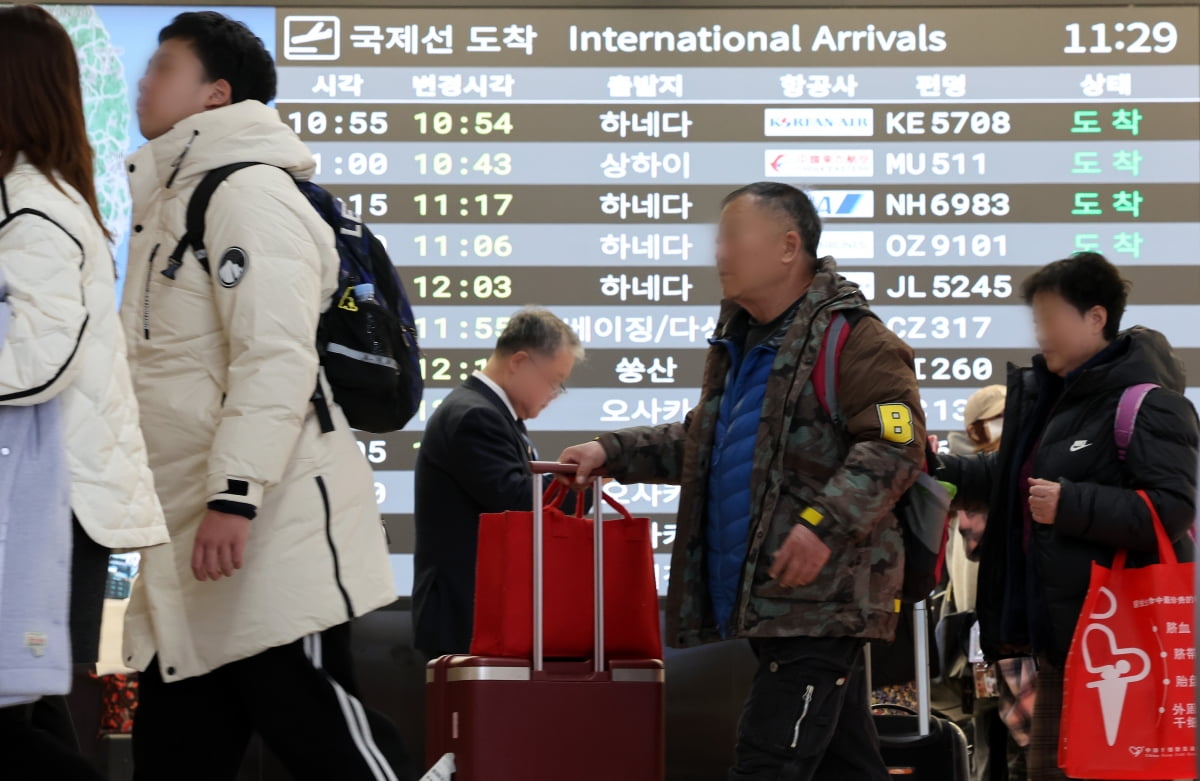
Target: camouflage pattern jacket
[{"x": 843, "y": 480}]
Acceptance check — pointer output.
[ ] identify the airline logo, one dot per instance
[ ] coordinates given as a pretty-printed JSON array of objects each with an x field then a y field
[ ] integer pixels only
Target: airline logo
[
  {"x": 848, "y": 245},
  {"x": 809, "y": 122},
  {"x": 865, "y": 281},
  {"x": 817, "y": 163},
  {"x": 843, "y": 204}
]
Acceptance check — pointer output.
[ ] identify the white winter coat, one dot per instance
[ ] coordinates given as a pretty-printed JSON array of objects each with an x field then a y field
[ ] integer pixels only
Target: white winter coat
[
  {"x": 64, "y": 339},
  {"x": 224, "y": 366}
]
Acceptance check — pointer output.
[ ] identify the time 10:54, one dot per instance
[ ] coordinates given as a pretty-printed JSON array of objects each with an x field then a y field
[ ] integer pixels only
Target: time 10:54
[{"x": 480, "y": 123}]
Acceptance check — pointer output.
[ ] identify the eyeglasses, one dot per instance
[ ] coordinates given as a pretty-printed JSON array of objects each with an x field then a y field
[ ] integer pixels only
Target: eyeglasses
[{"x": 560, "y": 389}]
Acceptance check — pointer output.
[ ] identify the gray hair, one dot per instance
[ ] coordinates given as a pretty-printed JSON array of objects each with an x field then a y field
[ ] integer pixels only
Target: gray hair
[{"x": 537, "y": 330}]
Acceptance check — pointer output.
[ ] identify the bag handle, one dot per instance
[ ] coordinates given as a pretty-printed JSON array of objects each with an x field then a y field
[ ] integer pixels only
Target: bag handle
[
  {"x": 1166, "y": 552},
  {"x": 555, "y": 495}
]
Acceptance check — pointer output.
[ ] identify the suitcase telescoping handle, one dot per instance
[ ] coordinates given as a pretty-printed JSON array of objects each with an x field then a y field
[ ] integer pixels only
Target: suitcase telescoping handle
[
  {"x": 921, "y": 657},
  {"x": 924, "y": 689},
  {"x": 539, "y": 629}
]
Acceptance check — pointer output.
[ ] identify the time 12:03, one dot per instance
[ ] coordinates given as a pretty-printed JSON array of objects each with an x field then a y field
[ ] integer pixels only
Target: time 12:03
[
  {"x": 477, "y": 286},
  {"x": 1131, "y": 37}
]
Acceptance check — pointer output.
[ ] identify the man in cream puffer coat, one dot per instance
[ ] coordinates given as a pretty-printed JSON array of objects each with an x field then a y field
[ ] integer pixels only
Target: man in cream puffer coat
[{"x": 242, "y": 625}]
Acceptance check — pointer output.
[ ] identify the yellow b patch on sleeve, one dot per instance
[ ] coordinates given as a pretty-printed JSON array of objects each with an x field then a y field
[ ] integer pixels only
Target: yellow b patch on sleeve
[{"x": 896, "y": 423}]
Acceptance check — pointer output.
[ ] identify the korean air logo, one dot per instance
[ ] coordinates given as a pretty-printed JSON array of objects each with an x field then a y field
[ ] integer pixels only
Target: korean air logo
[
  {"x": 843, "y": 204},
  {"x": 811, "y": 122}
]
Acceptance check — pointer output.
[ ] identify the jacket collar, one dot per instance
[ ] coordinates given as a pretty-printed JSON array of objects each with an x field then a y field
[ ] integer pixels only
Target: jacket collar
[
  {"x": 497, "y": 391},
  {"x": 479, "y": 386},
  {"x": 243, "y": 132},
  {"x": 829, "y": 290}
]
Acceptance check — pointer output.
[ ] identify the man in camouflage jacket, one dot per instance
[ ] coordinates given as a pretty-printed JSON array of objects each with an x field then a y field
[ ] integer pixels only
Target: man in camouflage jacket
[{"x": 823, "y": 556}]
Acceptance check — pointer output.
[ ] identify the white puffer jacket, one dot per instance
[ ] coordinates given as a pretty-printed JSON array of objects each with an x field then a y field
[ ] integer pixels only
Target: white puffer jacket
[
  {"x": 224, "y": 365},
  {"x": 64, "y": 338}
]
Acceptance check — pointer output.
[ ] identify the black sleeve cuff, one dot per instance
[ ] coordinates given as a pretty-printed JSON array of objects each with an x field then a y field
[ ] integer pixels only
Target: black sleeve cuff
[{"x": 247, "y": 511}]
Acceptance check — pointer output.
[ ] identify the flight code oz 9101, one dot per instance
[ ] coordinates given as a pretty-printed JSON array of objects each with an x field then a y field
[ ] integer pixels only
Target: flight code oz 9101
[{"x": 941, "y": 245}]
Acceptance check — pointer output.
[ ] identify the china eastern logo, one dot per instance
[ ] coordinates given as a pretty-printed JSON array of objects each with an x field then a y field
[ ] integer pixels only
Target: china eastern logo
[{"x": 804, "y": 122}]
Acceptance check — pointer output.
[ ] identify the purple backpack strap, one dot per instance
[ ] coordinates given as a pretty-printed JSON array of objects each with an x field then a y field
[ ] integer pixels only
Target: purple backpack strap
[{"x": 1127, "y": 410}]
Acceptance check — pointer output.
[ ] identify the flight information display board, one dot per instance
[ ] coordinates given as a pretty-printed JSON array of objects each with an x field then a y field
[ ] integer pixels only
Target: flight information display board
[{"x": 577, "y": 158}]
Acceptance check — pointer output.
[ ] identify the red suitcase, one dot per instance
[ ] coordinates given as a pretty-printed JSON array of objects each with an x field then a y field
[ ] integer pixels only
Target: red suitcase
[{"x": 534, "y": 720}]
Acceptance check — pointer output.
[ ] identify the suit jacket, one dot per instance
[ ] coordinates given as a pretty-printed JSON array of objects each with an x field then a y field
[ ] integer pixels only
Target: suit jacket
[{"x": 473, "y": 459}]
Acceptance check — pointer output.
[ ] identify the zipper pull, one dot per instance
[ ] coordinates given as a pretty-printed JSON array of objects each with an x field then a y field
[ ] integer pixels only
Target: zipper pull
[
  {"x": 808, "y": 695},
  {"x": 175, "y": 262}
]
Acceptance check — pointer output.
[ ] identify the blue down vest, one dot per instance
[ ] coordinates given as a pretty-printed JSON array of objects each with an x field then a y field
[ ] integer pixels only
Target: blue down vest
[{"x": 728, "y": 514}]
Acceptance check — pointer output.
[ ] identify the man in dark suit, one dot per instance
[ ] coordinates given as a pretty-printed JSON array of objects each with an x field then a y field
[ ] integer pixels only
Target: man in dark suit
[{"x": 474, "y": 459}]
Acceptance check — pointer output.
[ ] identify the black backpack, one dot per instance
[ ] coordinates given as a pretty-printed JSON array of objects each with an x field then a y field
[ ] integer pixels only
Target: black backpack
[{"x": 367, "y": 339}]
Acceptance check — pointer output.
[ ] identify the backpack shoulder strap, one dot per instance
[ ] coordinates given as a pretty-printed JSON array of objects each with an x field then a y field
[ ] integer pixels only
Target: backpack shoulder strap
[
  {"x": 825, "y": 381},
  {"x": 193, "y": 234},
  {"x": 1127, "y": 411},
  {"x": 825, "y": 374}
]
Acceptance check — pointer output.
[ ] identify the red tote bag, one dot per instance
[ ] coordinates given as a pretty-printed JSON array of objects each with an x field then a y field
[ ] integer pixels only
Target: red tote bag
[
  {"x": 1129, "y": 694},
  {"x": 504, "y": 584}
]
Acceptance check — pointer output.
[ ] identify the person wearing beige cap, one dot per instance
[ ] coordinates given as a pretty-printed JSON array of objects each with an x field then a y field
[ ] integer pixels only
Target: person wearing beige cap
[
  {"x": 1003, "y": 691},
  {"x": 985, "y": 417}
]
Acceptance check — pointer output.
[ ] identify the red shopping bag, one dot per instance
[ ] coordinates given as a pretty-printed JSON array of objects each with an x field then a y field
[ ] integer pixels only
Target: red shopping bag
[
  {"x": 504, "y": 584},
  {"x": 1129, "y": 694}
]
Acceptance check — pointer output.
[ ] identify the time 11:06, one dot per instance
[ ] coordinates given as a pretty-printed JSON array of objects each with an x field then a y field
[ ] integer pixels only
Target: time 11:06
[{"x": 481, "y": 246}]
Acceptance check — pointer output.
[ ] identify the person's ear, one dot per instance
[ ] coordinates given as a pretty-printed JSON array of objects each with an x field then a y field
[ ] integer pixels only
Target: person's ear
[
  {"x": 220, "y": 94},
  {"x": 1097, "y": 319},
  {"x": 793, "y": 248},
  {"x": 517, "y": 360}
]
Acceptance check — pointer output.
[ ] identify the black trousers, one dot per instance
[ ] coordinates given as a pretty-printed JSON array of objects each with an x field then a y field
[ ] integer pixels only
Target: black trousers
[
  {"x": 301, "y": 698},
  {"x": 37, "y": 742},
  {"x": 808, "y": 716}
]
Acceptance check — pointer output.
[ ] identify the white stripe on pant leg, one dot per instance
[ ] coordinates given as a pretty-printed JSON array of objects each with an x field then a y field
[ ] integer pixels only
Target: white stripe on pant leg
[
  {"x": 312, "y": 649},
  {"x": 370, "y": 736},
  {"x": 356, "y": 722},
  {"x": 362, "y": 736}
]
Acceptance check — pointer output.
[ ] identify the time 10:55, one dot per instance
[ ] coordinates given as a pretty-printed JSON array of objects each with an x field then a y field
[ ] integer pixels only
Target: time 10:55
[{"x": 355, "y": 123}]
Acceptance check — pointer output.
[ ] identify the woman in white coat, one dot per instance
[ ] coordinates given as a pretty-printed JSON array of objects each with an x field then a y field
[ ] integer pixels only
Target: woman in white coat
[{"x": 62, "y": 344}]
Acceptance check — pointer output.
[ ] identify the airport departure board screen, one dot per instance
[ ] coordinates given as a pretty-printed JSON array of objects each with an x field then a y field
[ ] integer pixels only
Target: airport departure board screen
[{"x": 576, "y": 159}]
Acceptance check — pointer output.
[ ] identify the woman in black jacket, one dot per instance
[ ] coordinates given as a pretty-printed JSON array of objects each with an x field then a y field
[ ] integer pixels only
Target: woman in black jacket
[{"x": 1059, "y": 495}]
